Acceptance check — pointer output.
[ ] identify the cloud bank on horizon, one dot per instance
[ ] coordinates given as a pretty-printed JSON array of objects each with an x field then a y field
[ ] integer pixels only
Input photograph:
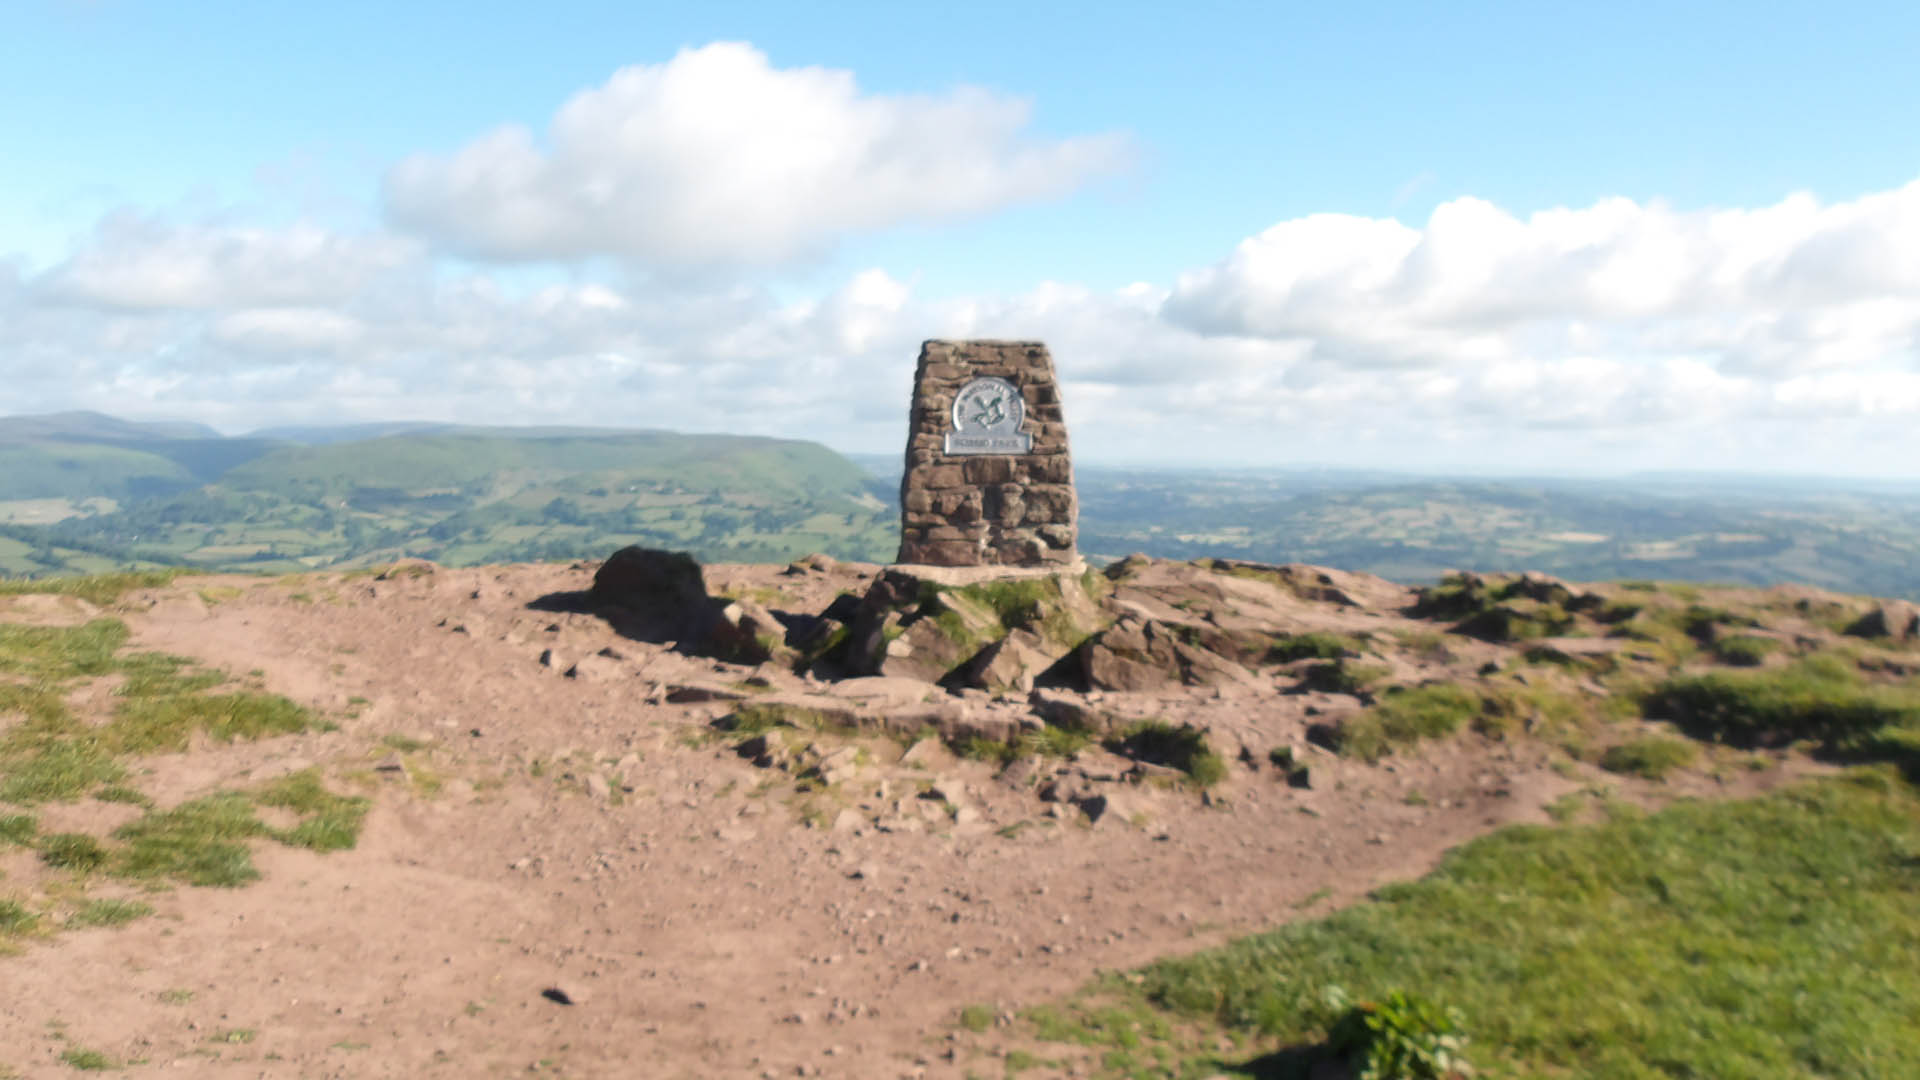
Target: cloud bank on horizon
[{"x": 624, "y": 267}]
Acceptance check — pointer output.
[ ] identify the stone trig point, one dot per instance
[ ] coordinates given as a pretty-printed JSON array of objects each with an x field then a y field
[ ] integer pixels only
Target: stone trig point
[{"x": 988, "y": 478}]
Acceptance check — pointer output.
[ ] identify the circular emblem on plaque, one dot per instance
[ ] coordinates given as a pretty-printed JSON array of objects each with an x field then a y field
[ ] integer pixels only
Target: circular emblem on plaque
[
  {"x": 987, "y": 414},
  {"x": 988, "y": 406}
]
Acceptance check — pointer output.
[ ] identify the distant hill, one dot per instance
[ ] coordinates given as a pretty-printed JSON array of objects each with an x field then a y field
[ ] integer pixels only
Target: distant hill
[
  {"x": 90, "y": 492},
  {"x": 321, "y": 435},
  {"x": 95, "y": 427}
]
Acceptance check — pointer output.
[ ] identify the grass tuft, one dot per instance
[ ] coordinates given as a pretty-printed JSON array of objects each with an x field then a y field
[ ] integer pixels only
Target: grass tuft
[
  {"x": 17, "y": 829},
  {"x": 1652, "y": 756},
  {"x": 976, "y": 1018},
  {"x": 1744, "y": 650},
  {"x": 87, "y": 1060},
  {"x": 16, "y": 918},
  {"x": 332, "y": 822},
  {"x": 72, "y": 851},
  {"x": 108, "y": 913}
]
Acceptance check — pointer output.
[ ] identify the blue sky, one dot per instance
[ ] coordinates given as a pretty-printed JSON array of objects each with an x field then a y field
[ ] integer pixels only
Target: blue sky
[{"x": 1433, "y": 236}]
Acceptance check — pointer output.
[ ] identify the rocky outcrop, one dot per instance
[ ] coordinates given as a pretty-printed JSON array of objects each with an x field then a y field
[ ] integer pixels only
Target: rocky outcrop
[
  {"x": 1890, "y": 619},
  {"x": 661, "y": 595},
  {"x": 998, "y": 635},
  {"x": 1138, "y": 654}
]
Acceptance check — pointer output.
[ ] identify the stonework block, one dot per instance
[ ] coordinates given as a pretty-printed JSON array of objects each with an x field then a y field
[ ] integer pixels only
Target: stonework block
[{"x": 989, "y": 480}]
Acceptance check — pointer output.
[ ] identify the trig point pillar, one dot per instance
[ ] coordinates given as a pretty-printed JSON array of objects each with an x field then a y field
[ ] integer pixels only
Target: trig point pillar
[{"x": 988, "y": 481}]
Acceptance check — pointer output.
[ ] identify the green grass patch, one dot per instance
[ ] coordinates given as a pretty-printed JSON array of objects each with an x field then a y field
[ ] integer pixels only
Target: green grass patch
[
  {"x": 203, "y": 842},
  {"x": 161, "y": 702},
  {"x": 1651, "y": 756},
  {"x": 59, "y": 770},
  {"x": 1403, "y": 717},
  {"x": 17, "y": 830},
  {"x": 1744, "y": 650},
  {"x": 1770, "y": 938},
  {"x": 99, "y": 589},
  {"x": 330, "y": 822},
  {"x": 72, "y": 851},
  {"x": 108, "y": 913},
  {"x": 1820, "y": 698},
  {"x": 163, "y": 714},
  {"x": 79, "y": 1057},
  {"x": 58, "y": 653},
  {"x": 121, "y": 793},
  {"x": 758, "y": 718},
  {"x": 1429, "y": 645},
  {"x": 16, "y": 918},
  {"x": 976, "y": 1018}
]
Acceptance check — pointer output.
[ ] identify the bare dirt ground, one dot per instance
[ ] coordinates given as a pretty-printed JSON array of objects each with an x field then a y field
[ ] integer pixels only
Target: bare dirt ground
[{"x": 551, "y": 836}]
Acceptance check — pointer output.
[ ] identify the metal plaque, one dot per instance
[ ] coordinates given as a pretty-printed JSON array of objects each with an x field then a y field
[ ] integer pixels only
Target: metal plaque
[{"x": 987, "y": 414}]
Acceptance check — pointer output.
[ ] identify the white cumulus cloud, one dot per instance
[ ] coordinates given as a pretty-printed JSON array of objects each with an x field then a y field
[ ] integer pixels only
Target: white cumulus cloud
[
  {"x": 718, "y": 158},
  {"x": 134, "y": 261},
  {"x": 1790, "y": 287}
]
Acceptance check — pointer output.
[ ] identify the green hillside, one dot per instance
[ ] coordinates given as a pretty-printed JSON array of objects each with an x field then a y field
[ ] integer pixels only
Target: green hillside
[
  {"x": 456, "y": 495},
  {"x": 483, "y": 460},
  {"x": 87, "y": 455}
]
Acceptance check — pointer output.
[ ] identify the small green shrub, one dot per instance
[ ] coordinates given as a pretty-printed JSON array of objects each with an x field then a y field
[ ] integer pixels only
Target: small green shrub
[
  {"x": 976, "y": 748},
  {"x": 1340, "y": 677},
  {"x": 976, "y": 1018},
  {"x": 1652, "y": 756},
  {"x": 1457, "y": 596},
  {"x": 1184, "y": 748},
  {"x": 1744, "y": 650},
  {"x": 72, "y": 851},
  {"x": 1316, "y": 644},
  {"x": 1401, "y": 1037},
  {"x": 87, "y": 1060},
  {"x": 1516, "y": 622}
]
